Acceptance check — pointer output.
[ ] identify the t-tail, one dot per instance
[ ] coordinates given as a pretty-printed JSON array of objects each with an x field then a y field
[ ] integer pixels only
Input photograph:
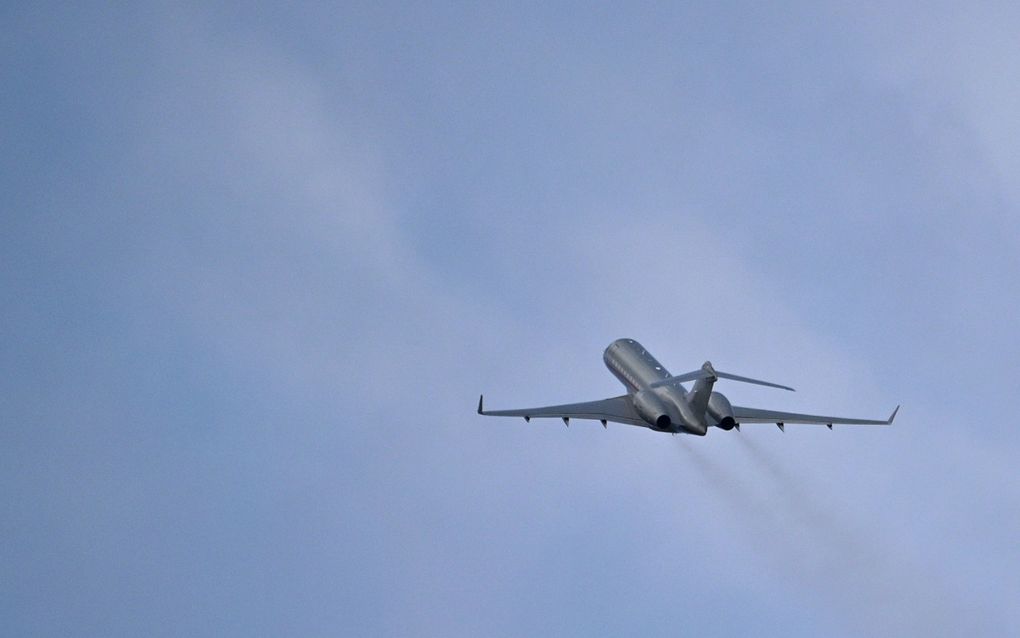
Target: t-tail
[{"x": 714, "y": 405}]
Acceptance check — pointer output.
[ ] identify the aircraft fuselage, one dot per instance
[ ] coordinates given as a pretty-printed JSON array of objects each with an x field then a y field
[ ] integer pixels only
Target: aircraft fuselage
[{"x": 667, "y": 408}]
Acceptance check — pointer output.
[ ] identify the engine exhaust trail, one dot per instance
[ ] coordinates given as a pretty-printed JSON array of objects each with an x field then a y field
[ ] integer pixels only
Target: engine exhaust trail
[
  {"x": 737, "y": 497},
  {"x": 807, "y": 509},
  {"x": 864, "y": 569}
]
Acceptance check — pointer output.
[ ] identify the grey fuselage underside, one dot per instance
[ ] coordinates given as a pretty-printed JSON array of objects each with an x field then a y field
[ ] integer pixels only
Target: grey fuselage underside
[{"x": 637, "y": 370}]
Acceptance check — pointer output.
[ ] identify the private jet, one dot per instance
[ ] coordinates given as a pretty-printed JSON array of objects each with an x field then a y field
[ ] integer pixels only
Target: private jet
[{"x": 657, "y": 400}]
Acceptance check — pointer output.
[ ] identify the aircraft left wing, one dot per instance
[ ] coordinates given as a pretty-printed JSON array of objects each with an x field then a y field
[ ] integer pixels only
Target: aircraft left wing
[
  {"x": 618, "y": 409},
  {"x": 754, "y": 415}
]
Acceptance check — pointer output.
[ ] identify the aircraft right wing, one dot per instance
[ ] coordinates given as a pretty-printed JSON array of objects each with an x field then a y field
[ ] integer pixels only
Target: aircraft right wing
[
  {"x": 618, "y": 409},
  {"x": 754, "y": 415}
]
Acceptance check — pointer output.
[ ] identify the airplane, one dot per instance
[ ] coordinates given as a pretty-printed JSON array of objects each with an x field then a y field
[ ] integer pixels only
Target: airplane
[{"x": 657, "y": 400}]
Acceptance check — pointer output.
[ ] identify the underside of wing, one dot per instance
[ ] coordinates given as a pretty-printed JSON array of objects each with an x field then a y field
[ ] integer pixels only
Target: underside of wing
[
  {"x": 754, "y": 415},
  {"x": 618, "y": 409}
]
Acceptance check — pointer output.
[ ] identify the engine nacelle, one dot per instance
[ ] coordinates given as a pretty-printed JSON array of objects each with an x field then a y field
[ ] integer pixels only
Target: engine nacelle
[
  {"x": 720, "y": 412},
  {"x": 652, "y": 409}
]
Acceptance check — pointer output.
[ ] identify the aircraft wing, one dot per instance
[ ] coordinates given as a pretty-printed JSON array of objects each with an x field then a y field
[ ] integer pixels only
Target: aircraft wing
[
  {"x": 618, "y": 409},
  {"x": 754, "y": 415}
]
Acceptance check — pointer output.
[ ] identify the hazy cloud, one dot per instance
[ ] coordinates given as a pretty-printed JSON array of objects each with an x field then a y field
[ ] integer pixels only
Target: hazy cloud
[{"x": 270, "y": 260}]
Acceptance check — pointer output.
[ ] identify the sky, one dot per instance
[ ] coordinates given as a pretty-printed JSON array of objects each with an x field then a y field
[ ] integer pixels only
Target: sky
[{"x": 258, "y": 262}]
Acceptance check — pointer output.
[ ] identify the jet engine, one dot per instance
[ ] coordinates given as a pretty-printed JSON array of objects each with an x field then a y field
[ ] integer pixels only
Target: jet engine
[
  {"x": 720, "y": 411},
  {"x": 652, "y": 409}
]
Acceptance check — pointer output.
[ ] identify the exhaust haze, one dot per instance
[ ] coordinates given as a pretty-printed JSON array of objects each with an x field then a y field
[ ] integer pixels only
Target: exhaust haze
[{"x": 810, "y": 541}]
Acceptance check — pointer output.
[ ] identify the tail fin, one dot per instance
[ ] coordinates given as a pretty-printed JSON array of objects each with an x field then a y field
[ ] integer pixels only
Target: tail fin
[{"x": 702, "y": 390}]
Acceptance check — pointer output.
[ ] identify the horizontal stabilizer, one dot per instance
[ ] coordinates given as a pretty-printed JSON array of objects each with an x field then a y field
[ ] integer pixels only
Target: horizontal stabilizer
[
  {"x": 708, "y": 372},
  {"x": 733, "y": 377}
]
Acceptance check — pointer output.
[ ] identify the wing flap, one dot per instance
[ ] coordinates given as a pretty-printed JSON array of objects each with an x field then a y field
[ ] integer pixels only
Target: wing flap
[
  {"x": 754, "y": 415},
  {"x": 618, "y": 409}
]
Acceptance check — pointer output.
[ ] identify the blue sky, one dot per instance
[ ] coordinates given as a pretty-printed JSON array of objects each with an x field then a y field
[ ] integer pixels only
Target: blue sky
[{"x": 258, "y": 263}]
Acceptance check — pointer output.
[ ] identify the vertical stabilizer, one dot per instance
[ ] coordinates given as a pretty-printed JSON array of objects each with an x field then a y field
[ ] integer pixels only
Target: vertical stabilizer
[{"x": 702, "y": 390}]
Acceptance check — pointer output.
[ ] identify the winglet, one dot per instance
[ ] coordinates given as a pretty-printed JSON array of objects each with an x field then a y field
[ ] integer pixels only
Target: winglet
[
  {"x": 892, "y": 416},
  {"x": 480, "y": 404}
]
